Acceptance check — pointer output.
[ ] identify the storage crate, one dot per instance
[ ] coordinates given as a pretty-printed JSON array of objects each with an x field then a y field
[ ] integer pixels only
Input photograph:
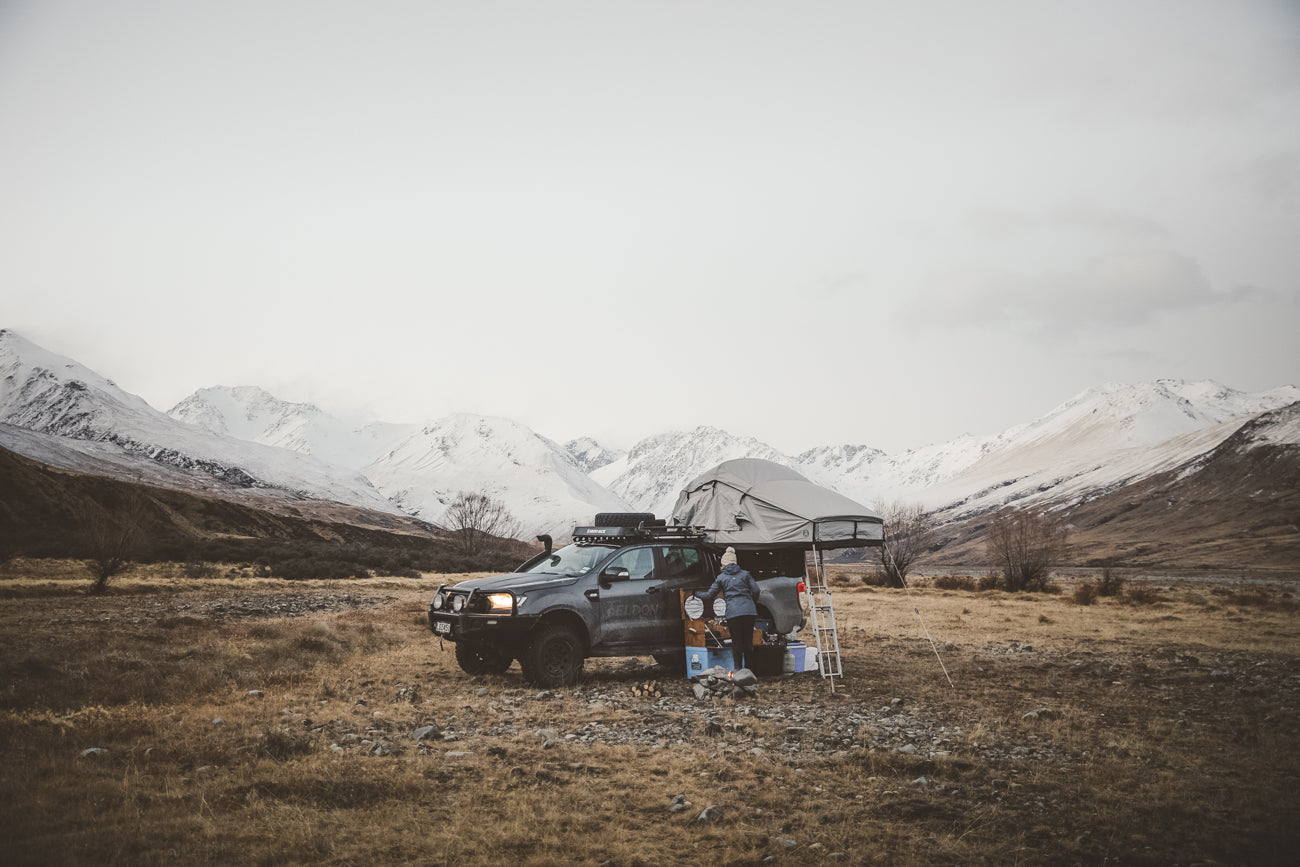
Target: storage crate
[{"x": 701, "y": 659}]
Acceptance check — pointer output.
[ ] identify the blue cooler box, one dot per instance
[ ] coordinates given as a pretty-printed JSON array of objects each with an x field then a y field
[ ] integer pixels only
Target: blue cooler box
[{"x": 701, "y": 659}]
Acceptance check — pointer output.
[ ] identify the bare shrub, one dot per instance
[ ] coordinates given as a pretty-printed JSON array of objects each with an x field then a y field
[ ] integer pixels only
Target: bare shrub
[
  {"x": 199, "y": 570},
  {"x": 479, "y": 523},
  {"x": 112, "y": 538},
  {"x": 908, "y": 532},
  {"x": 1025, "y": 546},
  {"x": 1255, "y": 599},
  {"x": 1140, "y": 596},
  {"x": 876, "y": 578},
  {"x": 1085, "y": 594},
  {"x": 1111, "y": 582},
  {"x": 843, "y": 579},
  {"x": 319, "y": 568},
  {"x": 956, "y": 582}
]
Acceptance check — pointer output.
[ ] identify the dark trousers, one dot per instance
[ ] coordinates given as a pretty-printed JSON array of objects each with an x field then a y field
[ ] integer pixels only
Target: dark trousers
[{"x": 742, "y": 640}]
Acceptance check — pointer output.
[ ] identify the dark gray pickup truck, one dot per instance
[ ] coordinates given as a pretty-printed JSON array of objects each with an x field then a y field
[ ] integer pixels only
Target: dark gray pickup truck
[{"x": 614, "y": 592}]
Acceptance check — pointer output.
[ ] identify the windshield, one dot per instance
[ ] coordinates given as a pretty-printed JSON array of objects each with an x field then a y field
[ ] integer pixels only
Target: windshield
[{"x": 573, "y": 559}]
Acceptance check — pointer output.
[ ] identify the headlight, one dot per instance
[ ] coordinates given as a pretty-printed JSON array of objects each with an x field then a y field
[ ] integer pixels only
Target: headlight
[
  {"x": 439, "y": 600},
  {"x": 457, "y": 603},
  {"x": 502, "y": 603}
]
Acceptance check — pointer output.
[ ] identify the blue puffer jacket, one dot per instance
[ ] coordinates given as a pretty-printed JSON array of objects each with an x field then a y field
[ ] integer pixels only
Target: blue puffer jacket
[{"x": 738, "y": 588}]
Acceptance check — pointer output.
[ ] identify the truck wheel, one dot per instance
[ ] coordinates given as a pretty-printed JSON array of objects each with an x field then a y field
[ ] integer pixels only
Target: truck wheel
[
  {"x": 623, "y": 519},
  {"x": 479, "y": 659},
  {"x": 554, "y": 658}
]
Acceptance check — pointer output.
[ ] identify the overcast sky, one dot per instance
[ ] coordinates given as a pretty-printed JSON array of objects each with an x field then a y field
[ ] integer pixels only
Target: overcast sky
[{"x": 811, "y": 223}]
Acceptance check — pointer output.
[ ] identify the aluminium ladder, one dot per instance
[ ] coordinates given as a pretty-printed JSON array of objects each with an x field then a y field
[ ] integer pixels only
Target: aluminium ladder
[{"x": 822, "y": 614}]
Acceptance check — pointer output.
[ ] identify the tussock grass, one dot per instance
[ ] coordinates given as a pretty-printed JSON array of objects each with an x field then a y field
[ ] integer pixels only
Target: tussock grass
[{"x": 1151, "y": 734}]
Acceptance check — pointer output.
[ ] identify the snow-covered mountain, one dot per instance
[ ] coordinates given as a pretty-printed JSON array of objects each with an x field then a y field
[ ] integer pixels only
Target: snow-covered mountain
[
  {"x": 654, "y": 472},
  {"x": 1278, "y": 427},
  {"x": 873, "y": 477},
  {"x": 1233, "y": 506},
  {"x": 590, "y": 455},
  {"x": 253, "y": 414},
  {"x": 1099, "y": 440},
  {"x": 420, "y": 469},
  {"x": 47, "y": 394},
  {"x": 536, "y": 478},
  {"x": 245, "y": 439}
]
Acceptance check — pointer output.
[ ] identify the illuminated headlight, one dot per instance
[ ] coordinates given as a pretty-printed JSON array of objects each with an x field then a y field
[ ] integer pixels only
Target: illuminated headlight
[
  {"x": 439, "y": 600},
  {"x": 501, "y": 603},
  {"x": 457, "y": 603}
]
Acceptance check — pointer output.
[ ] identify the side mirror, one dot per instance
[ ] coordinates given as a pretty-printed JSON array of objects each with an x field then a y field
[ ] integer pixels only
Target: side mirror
[
  {"x": 614, "y": 573},
  {"x": 617, "y": 573}
]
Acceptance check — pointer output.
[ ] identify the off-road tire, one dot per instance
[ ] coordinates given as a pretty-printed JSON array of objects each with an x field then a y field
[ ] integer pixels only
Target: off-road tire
[
  {"x": 554, "y": 657},
  {"x": 623, "y": 519},
  {"x": 477, "y": 659}
]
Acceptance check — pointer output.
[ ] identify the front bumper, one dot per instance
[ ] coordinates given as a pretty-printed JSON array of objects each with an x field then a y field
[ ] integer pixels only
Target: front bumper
[{"x": 479, "y": 627}]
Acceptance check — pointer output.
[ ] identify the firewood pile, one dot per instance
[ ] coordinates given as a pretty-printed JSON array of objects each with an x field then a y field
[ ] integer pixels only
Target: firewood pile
[{"x": 649, "y": 689}]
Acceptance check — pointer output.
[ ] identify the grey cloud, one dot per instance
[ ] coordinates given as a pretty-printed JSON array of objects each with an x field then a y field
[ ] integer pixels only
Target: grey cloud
[
  {"x": 1257, "y": 295},
  {"x": 1085, "y": 217},
  {"x": 1082, "y": 217},
  {"x": 845, "y": 285},
  {"x": 1127, "y": 288},
  {"x": 1273, "y": 179},
  {"x": 1131, "y": 358}
]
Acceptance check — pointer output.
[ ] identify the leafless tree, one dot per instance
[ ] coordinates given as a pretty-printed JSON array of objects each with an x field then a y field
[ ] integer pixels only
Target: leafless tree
[
  {"x": 909, "y": 531},
  {"x": 479, "y": 522},
  {"x": 1025, "y": 546},
  {"x": 112, "y": 538}
]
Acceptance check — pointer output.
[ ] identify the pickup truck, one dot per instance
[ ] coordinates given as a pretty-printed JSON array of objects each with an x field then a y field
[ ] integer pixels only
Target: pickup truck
[{"x": 615, "y": 591}]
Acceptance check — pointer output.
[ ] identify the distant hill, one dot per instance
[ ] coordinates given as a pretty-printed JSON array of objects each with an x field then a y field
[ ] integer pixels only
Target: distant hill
[
  {"x": 1234, "y": 506},
  {"x": 47, "y": 511}
]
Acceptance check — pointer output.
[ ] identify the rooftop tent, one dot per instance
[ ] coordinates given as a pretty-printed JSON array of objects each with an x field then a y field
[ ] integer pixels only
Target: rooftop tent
[{"x": 754, "y": 504}]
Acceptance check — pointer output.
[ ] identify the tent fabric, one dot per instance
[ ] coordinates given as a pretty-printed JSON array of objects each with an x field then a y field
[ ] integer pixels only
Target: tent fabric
[{"x": 756, "y": 504}]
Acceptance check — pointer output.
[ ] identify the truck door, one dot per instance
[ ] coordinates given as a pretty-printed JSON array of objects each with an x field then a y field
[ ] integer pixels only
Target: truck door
[{"x": 628, "y": 613}]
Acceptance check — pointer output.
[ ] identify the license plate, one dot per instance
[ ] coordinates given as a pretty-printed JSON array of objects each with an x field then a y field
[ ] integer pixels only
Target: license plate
[{"x": 442, "y": 627}]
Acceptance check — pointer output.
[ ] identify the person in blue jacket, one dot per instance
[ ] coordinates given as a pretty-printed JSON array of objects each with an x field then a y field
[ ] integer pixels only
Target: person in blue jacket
[{"x": 740, "y": 591}]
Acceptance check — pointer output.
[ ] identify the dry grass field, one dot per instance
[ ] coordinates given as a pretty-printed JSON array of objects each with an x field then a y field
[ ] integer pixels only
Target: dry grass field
[{"x": 232, "y": 720}]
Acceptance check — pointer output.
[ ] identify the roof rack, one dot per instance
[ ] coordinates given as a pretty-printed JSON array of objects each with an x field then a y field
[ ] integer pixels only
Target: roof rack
[{"x": 639, "y": 533}]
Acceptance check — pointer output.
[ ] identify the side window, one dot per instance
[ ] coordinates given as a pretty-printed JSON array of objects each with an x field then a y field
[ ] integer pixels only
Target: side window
[
  {"x": 639, "y": 563},
  {"x": 683, "y": 563}
]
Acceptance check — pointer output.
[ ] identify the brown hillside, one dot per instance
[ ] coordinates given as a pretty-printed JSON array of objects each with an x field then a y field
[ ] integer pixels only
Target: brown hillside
[
  {"x": 1236, "y": 507},
  {"x": 45, "y": 511}
]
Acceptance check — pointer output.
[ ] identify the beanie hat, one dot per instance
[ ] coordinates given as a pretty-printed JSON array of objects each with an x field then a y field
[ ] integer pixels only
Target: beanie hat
[{"x": 729, "y": 557}]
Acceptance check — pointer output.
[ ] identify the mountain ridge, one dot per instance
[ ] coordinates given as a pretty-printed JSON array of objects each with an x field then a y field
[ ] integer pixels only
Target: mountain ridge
[
  {"x": 1105, "y": 439},
  {"x": 53, "y": 395}
]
